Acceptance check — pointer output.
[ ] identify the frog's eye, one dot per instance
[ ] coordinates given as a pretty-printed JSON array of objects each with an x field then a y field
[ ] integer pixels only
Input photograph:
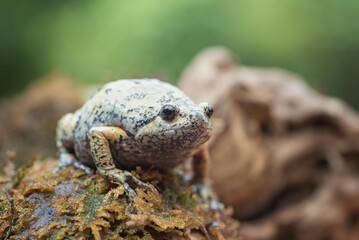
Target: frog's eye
[
  {"x": 208, "y": 109},
  {"x": 168, "y": 112}
]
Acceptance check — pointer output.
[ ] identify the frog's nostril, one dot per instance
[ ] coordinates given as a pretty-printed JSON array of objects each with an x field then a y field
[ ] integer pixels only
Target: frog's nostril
[{"x": 200, "y": 119}]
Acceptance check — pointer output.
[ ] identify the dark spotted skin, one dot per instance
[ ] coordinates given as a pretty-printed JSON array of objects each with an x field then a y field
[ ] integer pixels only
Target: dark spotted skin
[{"x": 122, "y": 126}]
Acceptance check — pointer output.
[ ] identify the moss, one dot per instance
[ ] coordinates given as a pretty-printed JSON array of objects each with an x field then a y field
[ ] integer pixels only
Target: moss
[
  {"x": 57, "y": 235},
  {"x": 3, "y": 207},
  {"x": 188, "y": 201},
  {"x": 91, "y": 207},
  {"x": 73, "y": 205}
]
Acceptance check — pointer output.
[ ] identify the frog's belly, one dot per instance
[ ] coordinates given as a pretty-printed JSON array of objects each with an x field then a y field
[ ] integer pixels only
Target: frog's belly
[
  {"x": 128, "y": 155},
  {"x": 147, "y": 158}
]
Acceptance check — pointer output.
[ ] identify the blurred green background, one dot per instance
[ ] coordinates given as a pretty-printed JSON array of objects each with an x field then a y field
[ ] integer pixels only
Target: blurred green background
[{"x": 92, "y": 41}]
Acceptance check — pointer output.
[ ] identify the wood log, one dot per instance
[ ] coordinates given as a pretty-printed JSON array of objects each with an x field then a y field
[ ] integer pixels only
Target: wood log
[{"x": 284, "y": 156}]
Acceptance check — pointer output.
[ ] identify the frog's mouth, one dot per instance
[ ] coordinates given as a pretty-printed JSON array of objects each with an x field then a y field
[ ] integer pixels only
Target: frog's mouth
[
  {"x": 188, "y": 137},
  {"x": 188, "y": 130}
]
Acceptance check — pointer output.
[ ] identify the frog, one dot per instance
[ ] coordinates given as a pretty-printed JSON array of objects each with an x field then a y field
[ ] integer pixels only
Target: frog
[{"x": 136, "y": 122}]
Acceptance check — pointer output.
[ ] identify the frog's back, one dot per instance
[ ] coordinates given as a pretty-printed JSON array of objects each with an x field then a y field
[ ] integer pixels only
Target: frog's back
[{"x": 128, "y": 104}]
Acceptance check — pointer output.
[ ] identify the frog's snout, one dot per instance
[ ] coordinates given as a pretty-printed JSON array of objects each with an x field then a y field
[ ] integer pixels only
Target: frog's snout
[{"x": 200, "y": 119}]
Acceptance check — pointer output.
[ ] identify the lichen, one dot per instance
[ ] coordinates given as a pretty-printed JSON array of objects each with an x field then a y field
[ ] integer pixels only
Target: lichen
[{"x": 74, "y": 205}]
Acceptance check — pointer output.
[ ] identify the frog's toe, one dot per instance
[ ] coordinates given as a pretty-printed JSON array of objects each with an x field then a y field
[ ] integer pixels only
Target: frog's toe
[
  {"x": 131, "y": 193},
  {"x": 148, "y": 186},
  {"x": 125, "y": 178},
  {"x": 153, "y": 189},
  {"x": 204, "y": 191},
  {"x": 140, "y": 183}
]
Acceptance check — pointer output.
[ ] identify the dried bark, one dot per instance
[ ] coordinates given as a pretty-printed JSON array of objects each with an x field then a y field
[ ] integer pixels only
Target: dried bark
[{"x": 285, "y": 156}]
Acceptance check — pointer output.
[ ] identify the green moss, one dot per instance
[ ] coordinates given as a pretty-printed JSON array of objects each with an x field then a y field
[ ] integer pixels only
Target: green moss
[
  {"x": 185, "y": 200},
  {"x": 57, "y": 235},
  {"x": 23, "y": 171},
  {"x": 22, "y": 212},
  {"x": 91, "y": 206},
  {"x": 3, "y": 207}
]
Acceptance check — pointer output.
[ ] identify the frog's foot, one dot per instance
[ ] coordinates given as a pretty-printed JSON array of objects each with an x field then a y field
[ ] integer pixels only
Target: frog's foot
[
  {"x": 200, "y": 165},
  {"x": 123, "y": 177},
  {"x": 68, "y": 159},
  {"x": 204, "y": 191}
]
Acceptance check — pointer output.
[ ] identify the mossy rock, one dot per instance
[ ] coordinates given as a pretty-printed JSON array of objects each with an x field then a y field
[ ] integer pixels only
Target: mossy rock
[{"x": 74, "y": 205}]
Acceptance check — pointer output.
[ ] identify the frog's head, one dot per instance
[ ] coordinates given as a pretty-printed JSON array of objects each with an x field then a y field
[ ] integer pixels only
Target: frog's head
[{"x": 177, "y": 128}]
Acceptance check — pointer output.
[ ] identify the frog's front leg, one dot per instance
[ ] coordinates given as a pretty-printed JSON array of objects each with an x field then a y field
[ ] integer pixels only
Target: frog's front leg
[
  {"x": 100, "y": 139},
  {"x": 200, "y": 165}
]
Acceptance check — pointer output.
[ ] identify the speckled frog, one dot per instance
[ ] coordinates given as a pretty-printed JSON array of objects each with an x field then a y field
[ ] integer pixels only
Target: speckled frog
[{"x": 129, "y": 123}]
